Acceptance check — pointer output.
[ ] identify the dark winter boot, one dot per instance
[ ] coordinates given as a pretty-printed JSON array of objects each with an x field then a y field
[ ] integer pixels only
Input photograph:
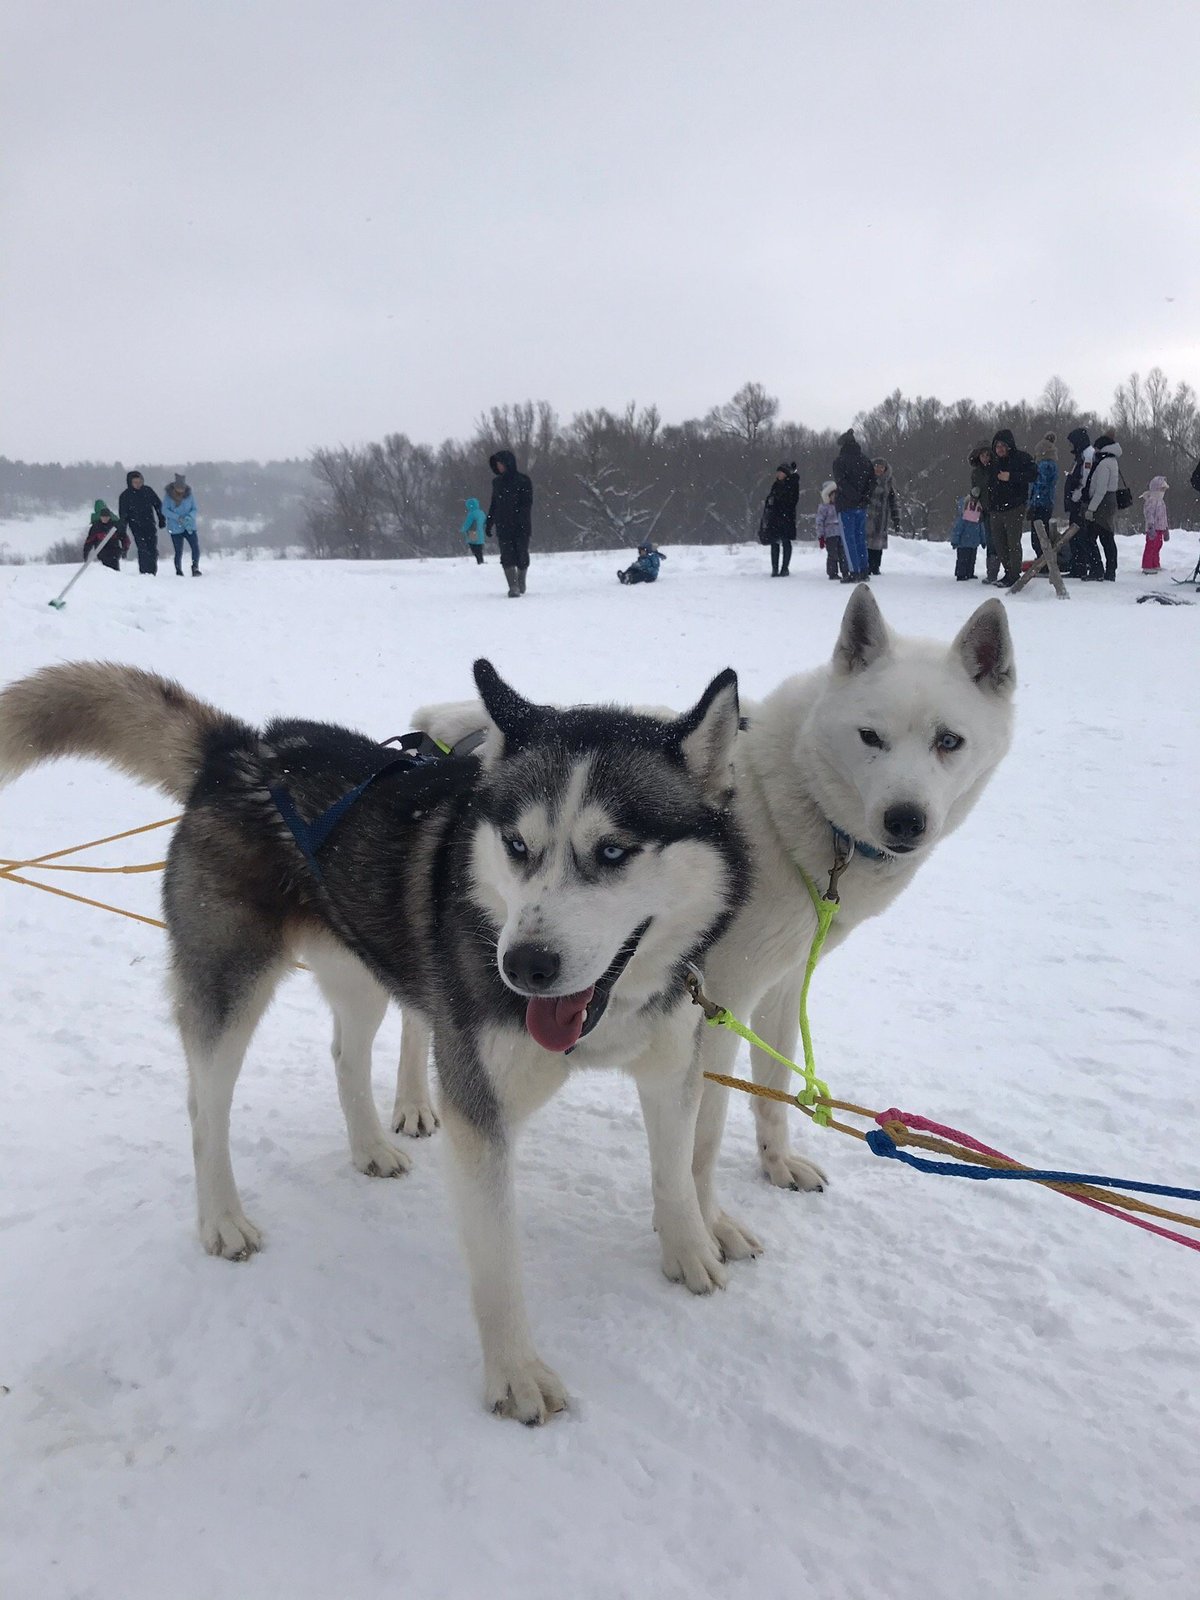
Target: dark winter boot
[
  {"x": 521, "y": 575},
  {"x": 196, "y": 573},
  {"x": 514, "y": 587}
]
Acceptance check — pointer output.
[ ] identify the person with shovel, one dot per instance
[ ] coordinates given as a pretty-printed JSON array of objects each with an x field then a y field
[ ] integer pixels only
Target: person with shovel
[{"x": 107, "y": 550}]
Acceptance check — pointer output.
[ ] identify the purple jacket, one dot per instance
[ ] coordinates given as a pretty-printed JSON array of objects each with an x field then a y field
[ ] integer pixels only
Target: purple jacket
[{"x": 829, "y": 523}]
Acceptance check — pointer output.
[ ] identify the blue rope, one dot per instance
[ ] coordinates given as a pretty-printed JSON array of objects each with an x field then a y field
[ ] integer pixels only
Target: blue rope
[{"x": 882, "y": 1144}]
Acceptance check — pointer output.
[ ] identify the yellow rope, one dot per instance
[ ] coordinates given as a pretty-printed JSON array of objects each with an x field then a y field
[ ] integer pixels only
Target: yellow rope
[
  {"x": 9, "y": 872},
  {"x": 49, "y": 888},
  {"x": 7, "y": 868},
  {"x": 74, "y": 849}
]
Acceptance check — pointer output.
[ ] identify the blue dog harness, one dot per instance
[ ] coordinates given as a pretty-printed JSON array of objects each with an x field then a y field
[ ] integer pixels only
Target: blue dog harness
[{"x": 417, "y": 750}]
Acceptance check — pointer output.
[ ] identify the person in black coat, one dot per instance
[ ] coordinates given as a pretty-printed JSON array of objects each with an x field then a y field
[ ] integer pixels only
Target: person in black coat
[
  {"x": 1009, "y": 477},
  {"x": 510, "y": 518},
  {"x": 777, "y": 526},
  {"x": 1079, "y": 439},
  {"x": 140, "y": 510},
  {"x": 854, "y": 475}
]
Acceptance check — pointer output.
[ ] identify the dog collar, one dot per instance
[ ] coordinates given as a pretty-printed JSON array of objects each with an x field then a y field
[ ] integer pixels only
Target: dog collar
[{"x": 847, "y": 843}]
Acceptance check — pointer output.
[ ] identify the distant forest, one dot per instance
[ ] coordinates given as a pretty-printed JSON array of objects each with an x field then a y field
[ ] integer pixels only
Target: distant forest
[
  {"x": 612, "y": 478},
  {"x": 608, "y": 478}
]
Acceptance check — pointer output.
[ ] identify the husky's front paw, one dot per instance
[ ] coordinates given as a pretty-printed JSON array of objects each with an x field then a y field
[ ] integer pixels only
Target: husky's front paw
[
  {"x": 736, "y": 1243},
  {"x": 528, "y": 1391},
  {"x": 415, "y": 1119},
  {"x": 381, "y": 1160},
  {"x": 694, "y": 1259},
  {"x": 230, "y": 1235},
  {"x": 787, "y": 1171}
]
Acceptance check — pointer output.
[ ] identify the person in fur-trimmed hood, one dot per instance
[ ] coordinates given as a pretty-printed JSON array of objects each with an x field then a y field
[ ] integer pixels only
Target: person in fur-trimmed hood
[
  {"x": 829, "y": 533},
  {"x": 1154, "y": 504},
  {"x": 881, "y": 513},
  {"x": 1100, "y": 492},
  {"x": 179, "y": 508}
]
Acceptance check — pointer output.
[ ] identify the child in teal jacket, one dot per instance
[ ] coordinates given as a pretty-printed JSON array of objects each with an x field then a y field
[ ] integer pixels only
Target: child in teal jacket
[{"x": 474, "y": 529}]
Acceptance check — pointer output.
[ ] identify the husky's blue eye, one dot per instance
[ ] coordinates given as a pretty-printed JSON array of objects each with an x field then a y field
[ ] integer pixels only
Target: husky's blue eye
[
  {"x": 871, "y": 738},
  {"x": 612, "y": 854},
  {"x": 516, "y": 846},
  {"x": 949, "y": 741}
]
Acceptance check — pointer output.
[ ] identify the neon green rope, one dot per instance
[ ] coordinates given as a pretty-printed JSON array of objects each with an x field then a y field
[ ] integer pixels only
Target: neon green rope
[{"x": 815, "y": 1090}]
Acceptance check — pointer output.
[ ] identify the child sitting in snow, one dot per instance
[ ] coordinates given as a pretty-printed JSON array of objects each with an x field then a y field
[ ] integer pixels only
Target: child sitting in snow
[
  {"x": 829, "y": 533},
  {"x": 1156, "y": 523},
  {"x": 645, "y": 568}
]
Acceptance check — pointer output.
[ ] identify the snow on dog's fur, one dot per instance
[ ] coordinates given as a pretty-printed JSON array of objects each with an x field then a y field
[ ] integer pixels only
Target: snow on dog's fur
[{"x": 890, "y": 743}]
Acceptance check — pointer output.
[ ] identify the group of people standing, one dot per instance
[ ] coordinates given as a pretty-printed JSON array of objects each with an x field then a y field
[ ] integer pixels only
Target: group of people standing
[
  {"x": 142, "y": 514},
  {"x": 1008, "y": 486},
  {"x": 858, "y": 507}
]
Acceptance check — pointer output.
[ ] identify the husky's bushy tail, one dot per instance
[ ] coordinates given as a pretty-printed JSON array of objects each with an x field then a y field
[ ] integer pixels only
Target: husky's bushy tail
[{"x": 136, "y": 721}]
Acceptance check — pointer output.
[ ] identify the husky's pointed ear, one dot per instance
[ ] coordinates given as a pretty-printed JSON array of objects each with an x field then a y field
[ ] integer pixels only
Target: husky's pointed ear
[
  {"x": 512, "y": 714},
  {"x": 864, "y": 636},
  {"x": 984, "y": 647},
  {"x": 706, "y": 733}
]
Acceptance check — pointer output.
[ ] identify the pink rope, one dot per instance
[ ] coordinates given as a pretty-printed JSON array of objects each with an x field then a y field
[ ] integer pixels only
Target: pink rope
[{"x": 939, "y": 1130}]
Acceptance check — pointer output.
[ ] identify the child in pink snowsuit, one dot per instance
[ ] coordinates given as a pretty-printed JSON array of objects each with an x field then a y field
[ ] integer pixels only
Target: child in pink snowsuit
[{"x": 1156, "y": 523}]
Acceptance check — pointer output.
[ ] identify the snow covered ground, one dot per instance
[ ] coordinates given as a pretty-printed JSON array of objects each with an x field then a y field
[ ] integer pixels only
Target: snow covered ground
[
  {"x": 30, "y": 537},
  {"x": 925, "y": 1388}
]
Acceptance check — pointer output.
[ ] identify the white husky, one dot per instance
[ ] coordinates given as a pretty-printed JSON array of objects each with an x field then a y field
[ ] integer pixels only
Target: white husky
[{"x": 885, "y": 749}]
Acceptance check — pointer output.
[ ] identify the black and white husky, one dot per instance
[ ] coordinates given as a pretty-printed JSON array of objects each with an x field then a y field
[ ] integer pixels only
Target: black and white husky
[
  {"x": 883, "y": 751},
  {"x": 540, "y": 899}
]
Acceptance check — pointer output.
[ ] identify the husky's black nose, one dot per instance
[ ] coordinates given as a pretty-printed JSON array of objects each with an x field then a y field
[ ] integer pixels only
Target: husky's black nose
[
  {"x": 904, "y": 823},
  {"x": 531, "y": 968}
]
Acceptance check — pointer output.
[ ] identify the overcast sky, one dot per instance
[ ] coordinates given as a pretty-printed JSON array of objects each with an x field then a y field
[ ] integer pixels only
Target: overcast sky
[{"x": 237, "y": 228}]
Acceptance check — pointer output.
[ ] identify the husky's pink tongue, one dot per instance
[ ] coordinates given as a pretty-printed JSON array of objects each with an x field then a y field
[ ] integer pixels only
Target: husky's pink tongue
[{"x": 557, "y": 1024}]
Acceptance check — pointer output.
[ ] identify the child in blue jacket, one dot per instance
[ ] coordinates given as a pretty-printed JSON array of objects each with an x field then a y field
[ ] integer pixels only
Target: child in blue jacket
[
  {"x": 829, "y": 533},
  {"x": 1041, "y": 490},
  {"x": 474, "y": 529},
  {"x": 966, "y": 536},
  {"x": 645, "y": 568},
  {"x": 179, "y": 510}
]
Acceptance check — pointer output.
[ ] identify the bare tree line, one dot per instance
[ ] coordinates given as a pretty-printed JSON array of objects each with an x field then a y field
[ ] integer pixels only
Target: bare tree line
[{"x": 609, "y": 478}]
